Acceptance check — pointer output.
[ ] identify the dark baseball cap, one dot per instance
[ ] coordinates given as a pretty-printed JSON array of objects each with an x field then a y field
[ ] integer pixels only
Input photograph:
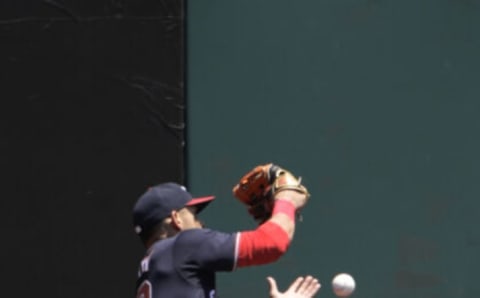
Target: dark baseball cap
[{"x": 160, "y": 200}]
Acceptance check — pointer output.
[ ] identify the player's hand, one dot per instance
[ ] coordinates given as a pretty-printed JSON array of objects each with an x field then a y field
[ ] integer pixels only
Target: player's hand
[{"x": 302, "y": 287}]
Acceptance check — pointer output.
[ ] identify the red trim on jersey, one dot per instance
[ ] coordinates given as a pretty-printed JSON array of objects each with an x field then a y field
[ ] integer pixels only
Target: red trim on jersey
[{"x": 262, "y": 246}]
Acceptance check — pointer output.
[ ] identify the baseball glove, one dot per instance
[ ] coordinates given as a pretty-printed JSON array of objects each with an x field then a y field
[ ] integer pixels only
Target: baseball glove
[{"x": 257, "y": 189}]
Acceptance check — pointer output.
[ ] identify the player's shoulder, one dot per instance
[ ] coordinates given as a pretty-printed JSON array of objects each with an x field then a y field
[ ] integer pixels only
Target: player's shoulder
[
  {"x": 194, "y": 234},
  {"x": 197, "y": 236}
]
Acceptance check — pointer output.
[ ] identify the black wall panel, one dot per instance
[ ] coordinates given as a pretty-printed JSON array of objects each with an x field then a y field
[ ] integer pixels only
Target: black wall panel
[{"x": 91, "y": 114}]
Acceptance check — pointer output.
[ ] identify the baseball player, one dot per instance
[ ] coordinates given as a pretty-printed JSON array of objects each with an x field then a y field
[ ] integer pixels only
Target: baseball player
[{"x": 182, "y": 257}]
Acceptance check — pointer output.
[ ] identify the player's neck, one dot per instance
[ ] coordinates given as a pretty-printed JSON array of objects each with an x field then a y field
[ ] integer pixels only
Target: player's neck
[{"x": 159, "y": 237}]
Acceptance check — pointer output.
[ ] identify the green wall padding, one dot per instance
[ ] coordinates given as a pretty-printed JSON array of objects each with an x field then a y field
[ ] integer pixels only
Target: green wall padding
[{"x": 376, "y": 104}]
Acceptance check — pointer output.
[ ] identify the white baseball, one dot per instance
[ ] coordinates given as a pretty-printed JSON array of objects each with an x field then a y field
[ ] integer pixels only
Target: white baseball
[{"x": 343, "y": 285}]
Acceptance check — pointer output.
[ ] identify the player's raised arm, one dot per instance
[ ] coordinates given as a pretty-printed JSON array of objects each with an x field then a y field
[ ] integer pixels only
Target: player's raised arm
[{"x": 273, "y": 197}]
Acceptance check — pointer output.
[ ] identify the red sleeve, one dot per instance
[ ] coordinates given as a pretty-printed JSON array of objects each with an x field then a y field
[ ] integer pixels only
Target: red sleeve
[{"x": 264, "y": 245}]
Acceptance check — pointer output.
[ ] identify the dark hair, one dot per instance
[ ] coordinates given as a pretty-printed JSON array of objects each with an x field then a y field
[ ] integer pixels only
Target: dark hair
[{"x": 146, "y": 235}]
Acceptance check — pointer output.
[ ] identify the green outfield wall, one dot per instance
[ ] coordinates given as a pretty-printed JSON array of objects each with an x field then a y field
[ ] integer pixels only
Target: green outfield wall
[{"x": 376, "y": 104}]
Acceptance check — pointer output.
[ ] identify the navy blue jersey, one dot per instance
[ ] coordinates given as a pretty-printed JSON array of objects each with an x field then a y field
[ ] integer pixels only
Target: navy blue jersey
[{"x": 184, "y": 266}]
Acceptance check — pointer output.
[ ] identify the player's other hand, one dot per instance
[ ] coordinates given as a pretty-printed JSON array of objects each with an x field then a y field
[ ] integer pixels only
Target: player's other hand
[{"x": 302, "y": 287}]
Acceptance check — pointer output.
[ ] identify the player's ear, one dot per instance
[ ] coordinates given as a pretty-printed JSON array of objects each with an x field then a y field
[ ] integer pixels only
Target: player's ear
[{"x": 176, "y": 220}]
